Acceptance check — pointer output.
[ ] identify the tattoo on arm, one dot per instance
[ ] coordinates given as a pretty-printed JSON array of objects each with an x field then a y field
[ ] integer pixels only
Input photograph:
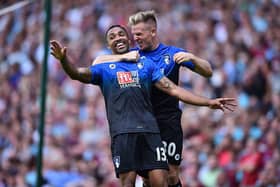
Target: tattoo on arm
[{"x": 166, "y": 84}]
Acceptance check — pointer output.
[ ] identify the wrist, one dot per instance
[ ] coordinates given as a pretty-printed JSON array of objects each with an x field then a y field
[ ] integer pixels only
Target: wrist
[
  {"x": 209, "y": 102},
  {"x": 123, "y": 57},
  {"x": 63, "y": 59},
  {"x": 192, "y": 58}
]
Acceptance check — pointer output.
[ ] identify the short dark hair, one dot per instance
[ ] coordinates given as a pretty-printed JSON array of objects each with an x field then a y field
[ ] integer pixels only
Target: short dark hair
[{"x": 113, "y": 26}]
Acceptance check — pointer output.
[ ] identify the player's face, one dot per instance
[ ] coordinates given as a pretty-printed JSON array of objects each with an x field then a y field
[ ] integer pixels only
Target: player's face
[
  {"x": 118, "y": 41},
  {"x": 143, "y": 35}
]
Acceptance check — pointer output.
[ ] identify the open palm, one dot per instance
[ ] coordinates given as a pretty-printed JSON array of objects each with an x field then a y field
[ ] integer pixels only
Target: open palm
[
  {"x": 223, "y": 104},
  {"x": 57, "y": 50}
]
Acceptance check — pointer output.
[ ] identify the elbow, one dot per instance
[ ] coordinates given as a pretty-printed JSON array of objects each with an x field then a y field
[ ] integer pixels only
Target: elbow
[
  {"x": 175, "y": 92},
  {"x": 209, "y": 73}
]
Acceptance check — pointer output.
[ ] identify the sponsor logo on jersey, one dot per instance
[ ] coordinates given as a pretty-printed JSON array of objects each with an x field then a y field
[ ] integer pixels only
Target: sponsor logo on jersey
[
  {"x": 128, "y": 79},
  {"x": 166, "y": 58},
  {"x": 117, "y": 161}
]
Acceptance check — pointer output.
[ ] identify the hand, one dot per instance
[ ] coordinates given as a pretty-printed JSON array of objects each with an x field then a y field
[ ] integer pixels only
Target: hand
[
  {"x": 182, "y": 57},
  {"x": 223, "y": 104},
  {"x": 131, "y": 56},
  {"x": 57, "y": 51}
]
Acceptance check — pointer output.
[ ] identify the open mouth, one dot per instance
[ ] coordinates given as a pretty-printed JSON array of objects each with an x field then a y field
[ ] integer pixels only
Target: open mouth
[
  {"x": 140, "y": 44},
  {"x": 120, "y": 45}
]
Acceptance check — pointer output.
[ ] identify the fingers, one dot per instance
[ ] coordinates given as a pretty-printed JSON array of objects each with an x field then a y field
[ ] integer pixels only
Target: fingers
[
  {"x": 55, "y": 43},
  {"x": 56, "y": 50},
  {"x": 228, "y": 108},
  {"x": 226, "y": 104},
  {"x": 137, "y": 56},
  {"x": 228, "y": 101},
  {"x": 64, "y": 51},
  {"x": 178, "y": 59}
]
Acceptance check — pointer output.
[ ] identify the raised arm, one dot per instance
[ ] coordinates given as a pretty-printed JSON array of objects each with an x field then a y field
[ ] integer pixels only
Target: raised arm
[
  {"x": 172, "y": 89},
  {"x": 60, "y": 53},
  {"x": 201, "y": 66},
  {"x": 130, "y": 56}
]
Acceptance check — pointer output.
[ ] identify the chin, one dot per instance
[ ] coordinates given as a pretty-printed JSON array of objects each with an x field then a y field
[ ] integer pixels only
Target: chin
[
  {"x": 122, "y": 51},
  {"x": 142, "y": 47}
]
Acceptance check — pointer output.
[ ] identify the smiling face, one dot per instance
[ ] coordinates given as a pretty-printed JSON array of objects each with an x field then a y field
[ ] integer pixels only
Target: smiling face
[
  {"x": 143, "y": 34},
  {"x": 144, "y": 29},
  {"x": 117, "y": 39}
]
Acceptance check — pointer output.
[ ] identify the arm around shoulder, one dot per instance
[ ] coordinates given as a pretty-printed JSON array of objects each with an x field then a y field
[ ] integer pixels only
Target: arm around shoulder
[{"x": 129, "y": 56}]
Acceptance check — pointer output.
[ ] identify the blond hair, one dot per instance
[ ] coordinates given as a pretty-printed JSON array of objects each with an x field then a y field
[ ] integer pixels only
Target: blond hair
[{"x": 143, "y": 16}]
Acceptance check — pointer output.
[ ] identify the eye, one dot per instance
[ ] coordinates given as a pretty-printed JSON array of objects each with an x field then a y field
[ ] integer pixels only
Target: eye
[
  {"x": 122, "y": 34},
  {"x": 111, "y": 37}
]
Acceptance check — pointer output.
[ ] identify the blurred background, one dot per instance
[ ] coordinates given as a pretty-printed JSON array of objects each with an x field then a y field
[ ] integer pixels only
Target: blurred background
[{"x": 241, "y": 39}]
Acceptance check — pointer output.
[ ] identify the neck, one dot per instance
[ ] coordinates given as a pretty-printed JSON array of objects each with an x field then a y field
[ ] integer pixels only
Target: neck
[{"x": 155, "y": 43}]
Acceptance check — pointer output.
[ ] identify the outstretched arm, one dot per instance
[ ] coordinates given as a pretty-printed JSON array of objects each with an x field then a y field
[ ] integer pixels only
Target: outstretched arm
[
  {"x": 172, "y": 89},
  {"x": 201, "y": 66},
  {"x": 130, "y": 56},
  {"x": 80, "y": 74}
]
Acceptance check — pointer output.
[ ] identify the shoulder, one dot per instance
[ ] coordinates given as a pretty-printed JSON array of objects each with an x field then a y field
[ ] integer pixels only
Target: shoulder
[
  {"x": 145, "y": 60},
  {"x": 101, "y": 66},
  {"x": 171, "y": 48},
  {"x": 177, "y": 49}
]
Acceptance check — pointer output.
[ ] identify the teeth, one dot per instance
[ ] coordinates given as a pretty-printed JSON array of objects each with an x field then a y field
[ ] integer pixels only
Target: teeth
[{"x": 119, "y": 44}]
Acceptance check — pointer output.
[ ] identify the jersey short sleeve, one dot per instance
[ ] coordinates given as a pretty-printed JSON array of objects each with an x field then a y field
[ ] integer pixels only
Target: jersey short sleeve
[
  {"x": 156, "y": 73},
  {"x": 96, "y": 74}
]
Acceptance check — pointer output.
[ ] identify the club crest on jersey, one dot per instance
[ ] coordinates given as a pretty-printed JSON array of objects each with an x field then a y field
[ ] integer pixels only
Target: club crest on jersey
[
  {"x": 140, "y": 65},
  {"x": 112, "y": 66},
  {"x": 128, "y": 79},
  {"x": 117, "y": 161},
  {"x": 166, "y": 58}
]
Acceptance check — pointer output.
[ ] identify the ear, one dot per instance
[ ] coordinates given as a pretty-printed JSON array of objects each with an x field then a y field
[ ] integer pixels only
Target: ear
[{"x": 153, "y": 32}]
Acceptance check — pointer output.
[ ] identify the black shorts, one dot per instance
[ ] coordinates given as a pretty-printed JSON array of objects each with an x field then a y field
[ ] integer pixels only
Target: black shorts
[
  {"x": 139, "y": 152},
  {"x": 172, "y": 137}
]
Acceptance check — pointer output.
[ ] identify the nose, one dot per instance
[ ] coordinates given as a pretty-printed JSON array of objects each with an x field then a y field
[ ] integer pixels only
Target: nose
[
  {"x": 117, "y": 38},
  {"x": 136, "y": 37}
]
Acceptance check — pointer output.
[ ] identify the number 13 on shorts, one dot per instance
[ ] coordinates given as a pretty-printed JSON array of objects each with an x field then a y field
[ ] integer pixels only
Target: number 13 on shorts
[{"x": 161, "y": 154}]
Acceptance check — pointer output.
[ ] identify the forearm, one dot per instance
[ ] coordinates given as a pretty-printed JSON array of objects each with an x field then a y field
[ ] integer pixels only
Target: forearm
[
  {"x": 107, "y": 58},
  {"x": 202, "y": 66},
  {"x": 186, "y": 96},
  {"x": 189, "y": 97},
  {"x": 69, "y": 68}
]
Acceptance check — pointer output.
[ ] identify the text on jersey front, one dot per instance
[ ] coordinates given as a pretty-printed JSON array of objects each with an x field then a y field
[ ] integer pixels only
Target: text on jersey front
[{"x": 128, "y": 79}]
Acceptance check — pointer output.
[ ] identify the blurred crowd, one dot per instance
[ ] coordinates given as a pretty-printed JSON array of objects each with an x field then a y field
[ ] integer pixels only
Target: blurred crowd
[{"x": 241, "y": 39}]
